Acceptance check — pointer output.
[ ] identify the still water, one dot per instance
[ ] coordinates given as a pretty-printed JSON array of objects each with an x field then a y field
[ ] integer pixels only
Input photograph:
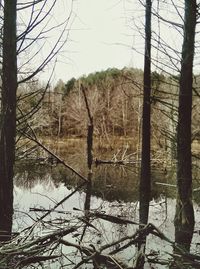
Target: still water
[{"x": 40, "y": 184}]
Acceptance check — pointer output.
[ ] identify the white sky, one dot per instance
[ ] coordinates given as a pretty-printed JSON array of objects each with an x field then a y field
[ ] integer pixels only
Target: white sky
[
  {"x": 99, "y": 39},
  {"x": 107, "y": 33}
]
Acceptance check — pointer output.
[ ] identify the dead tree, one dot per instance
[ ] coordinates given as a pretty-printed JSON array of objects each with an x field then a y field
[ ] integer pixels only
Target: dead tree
[
  {"x": 8, "y": 117},
  {"x": 184, "y": 219},
  {"x": 12, "y": 75},
  {"x": 145, "y": 179}
]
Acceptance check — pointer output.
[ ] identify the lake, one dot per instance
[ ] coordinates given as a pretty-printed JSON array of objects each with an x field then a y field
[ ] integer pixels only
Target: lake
[{"x": 40, "y": 184}]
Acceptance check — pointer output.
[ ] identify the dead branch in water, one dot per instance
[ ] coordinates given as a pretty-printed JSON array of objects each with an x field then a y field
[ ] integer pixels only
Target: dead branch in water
[
  {"x": 61, "y": 202},
  {"x": 115, "y": 162},
  {"x": 58, "y": 159},
  {"x": 40, "y": 248},
  {"x": 112, "y": 219}
]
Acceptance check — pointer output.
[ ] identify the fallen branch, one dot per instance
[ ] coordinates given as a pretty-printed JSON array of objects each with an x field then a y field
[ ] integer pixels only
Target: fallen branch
[
  {"x": 113, "y": 219},
  {"x": 42, "y": 249},
  {"x": 35, "y": 209},
  {"x": 165, "y": 184},
  {"x": 115, "y": 162},
  {"x": 61, "y": 202},
  {"x": 35, "y": 259},
  {"x": 95, "y": 255},
  {"x": 58, "y": 159}
]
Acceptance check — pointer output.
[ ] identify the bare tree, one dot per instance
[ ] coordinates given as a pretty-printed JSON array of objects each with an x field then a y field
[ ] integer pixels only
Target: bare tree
[
  {"x": 184, "y": 219},
  {"x": 145, "y": 180},
  {"x": 145, "y": 177},
  {"x": 18, "y": 43},
  {"x": 8, "y": 117}
]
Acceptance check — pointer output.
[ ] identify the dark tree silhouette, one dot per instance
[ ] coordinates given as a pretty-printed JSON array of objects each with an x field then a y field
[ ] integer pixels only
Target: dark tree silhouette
[
  {"x": 145, "y": 180},
  {"x": 8, "y": 117},
  {"x": 13, "y": 48},
  {"x": 184, "y": 218}
]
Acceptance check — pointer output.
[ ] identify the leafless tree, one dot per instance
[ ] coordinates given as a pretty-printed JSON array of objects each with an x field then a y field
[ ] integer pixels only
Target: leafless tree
[
  {"x": 23, "y": 40},
  {"x": 184, "y": 219}
]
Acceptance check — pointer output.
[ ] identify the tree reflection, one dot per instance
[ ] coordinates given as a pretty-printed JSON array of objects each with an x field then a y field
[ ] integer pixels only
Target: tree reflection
[
  {"x": 6, "y": 228},
  {"x": 184, "y": 227},
  {"x": 88, "y": 193},
  {"x": 143, "y": 217}
]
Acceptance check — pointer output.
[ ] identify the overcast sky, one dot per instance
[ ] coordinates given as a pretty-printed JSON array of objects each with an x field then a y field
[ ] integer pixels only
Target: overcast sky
[
  {"x": 105, "y": 34},
  {"x": 100, "y": 38}
]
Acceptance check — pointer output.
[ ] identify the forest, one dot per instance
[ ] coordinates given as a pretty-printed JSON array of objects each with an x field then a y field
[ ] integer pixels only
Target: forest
[
  {"x": 115, "y": 101},
  {"x": 101, "y": 170}
]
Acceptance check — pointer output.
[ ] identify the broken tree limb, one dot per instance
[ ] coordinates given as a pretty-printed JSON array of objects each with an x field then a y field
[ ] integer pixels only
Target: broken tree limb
[
  {"x": 90, "y": 131},
  {"x": 87, "y": 105}
]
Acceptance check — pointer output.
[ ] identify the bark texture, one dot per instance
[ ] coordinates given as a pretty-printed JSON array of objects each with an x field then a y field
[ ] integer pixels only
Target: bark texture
[
  {"x": 145, "y": 179},
  {"x": 8, "y": 117},
  {"x": 184, "y": 218}
]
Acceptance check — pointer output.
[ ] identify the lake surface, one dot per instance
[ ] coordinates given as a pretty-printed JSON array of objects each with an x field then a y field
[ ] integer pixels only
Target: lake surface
[{"x": 40, "y": 184}]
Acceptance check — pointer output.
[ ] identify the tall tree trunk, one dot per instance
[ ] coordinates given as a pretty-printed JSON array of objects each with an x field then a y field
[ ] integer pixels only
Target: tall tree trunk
[
  {"x": 145, "y": 179},
  {"x": 8, "y": 116},
  {"x": 184, "y": 218}
]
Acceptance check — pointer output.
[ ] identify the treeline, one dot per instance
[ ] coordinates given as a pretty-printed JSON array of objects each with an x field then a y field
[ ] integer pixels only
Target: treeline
[{"x": 115, "y": 101}]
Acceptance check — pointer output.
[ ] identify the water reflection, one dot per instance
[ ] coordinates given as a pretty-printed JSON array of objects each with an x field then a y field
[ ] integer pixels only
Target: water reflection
[
  {"x": 184, "y": 224},
  {"x": 113, "y": 191},
  {"x": 109, "y": 182},
  {"x": 6, "y": 225},
  {"x": 6, "y": 216}
]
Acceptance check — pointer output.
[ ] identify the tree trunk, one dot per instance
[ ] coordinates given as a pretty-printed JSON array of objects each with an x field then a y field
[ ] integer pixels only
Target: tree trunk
[
  {"x": 184, "y": 218},
  {"x": 8, "y": 117},
  {"x": 145, "y": 179}
]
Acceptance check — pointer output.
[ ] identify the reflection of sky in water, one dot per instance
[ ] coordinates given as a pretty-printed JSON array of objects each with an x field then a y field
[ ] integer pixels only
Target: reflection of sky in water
[
  {"x": 46, "y": 196},
  {"x": 41, "y": 196}
]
